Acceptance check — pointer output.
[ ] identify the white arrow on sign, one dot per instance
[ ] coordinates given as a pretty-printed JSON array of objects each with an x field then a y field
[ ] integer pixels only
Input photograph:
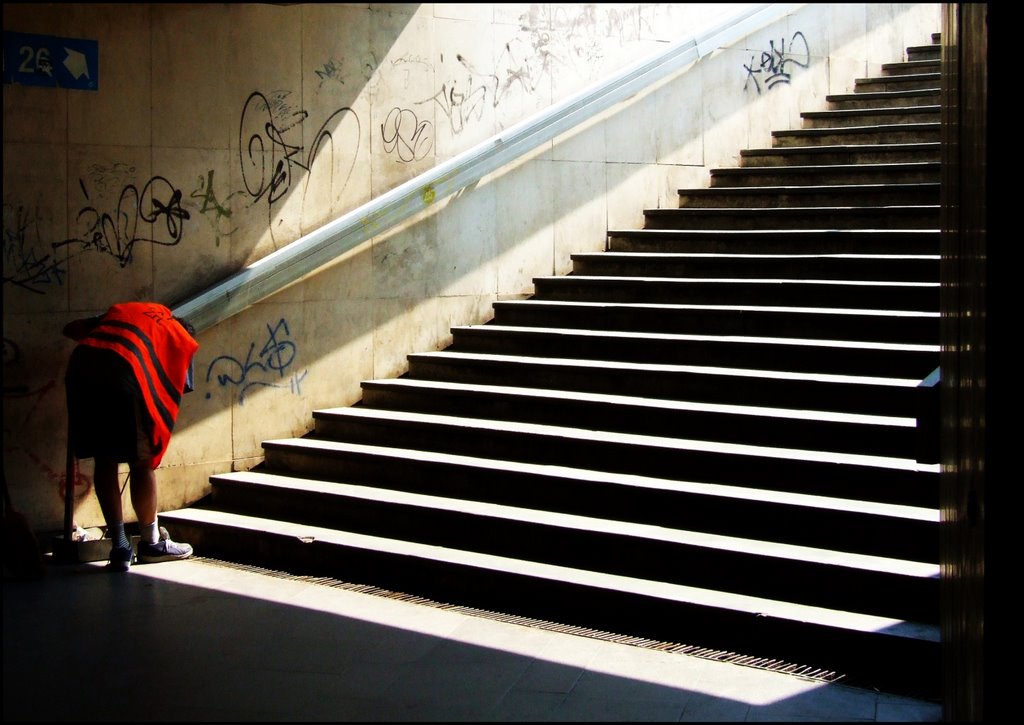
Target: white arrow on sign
[{"x": 76, "y": 64}]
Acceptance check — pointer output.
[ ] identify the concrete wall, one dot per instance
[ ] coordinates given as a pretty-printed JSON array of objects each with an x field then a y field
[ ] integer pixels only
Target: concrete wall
[{"x": 220, "y": 132}]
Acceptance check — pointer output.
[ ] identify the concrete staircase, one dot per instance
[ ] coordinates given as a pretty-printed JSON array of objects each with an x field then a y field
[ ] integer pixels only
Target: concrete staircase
[{"x": 705, "y": 435}]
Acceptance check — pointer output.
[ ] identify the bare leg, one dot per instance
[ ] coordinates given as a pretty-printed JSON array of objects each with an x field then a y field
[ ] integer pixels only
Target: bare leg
[
  {"x": 109, "y": 495},
  {"x": 143, "y": 491},
  {"x": 152, "y": 546},
  {"x": 107, "y": 491}
]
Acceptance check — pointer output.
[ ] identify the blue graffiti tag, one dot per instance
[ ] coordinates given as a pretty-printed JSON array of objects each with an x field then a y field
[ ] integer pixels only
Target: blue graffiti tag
[{"x": 276, "y": 355}]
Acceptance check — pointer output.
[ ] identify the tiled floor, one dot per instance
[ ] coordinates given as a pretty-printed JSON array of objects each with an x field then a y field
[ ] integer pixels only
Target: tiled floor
[{"x": 200, "y": 641}]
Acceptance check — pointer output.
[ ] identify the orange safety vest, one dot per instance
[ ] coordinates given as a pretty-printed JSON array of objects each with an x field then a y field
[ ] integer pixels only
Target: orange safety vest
[{"x": 159, "y": 350}]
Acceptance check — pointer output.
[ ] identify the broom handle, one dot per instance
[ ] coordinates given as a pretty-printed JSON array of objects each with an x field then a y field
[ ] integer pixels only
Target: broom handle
[{"x": 69, "y": 490}]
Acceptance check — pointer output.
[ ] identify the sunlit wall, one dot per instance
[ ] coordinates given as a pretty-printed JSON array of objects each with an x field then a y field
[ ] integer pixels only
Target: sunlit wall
[{"x": 185, "y": 141}]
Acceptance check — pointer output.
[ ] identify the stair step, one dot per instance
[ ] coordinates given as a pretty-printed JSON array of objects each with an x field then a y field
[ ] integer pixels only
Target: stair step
[
  {"x": 870, "y": 116},
  {"x": 651, "y": 500},
  {"x": 750, "y": 516},
  {"x": 776, "y": 241},
  {"x": 923, "y": 296},
  {"x": 841, "y": 432},
  {"x": 707, "y": 434},
  {"x": 677, "y": 504},
  {"x": 588, "y": 599},
  {"x": 808, "y": 355},
  {"x": 899, "y": 82},
  {"x": 876, "y": 395},
  {"x": 886, "y": 134},
  {"x": 924, "y": 216},
  {"x": 825, "y": 172},
  {"x": 925, "y": 193},
  {"x": 883, "y": 99},
  {"x": 891, "y": 267},
  {"x": 931, "y": 65},
  {"x": 842, "y": 154},
  {"x": 526, "y": 465},
  {"x": 929, "y": 52},
  {"x": 905, "y": 82},
  {"x": 810, "y": 322},
  {"x": 595, "y": 543}
]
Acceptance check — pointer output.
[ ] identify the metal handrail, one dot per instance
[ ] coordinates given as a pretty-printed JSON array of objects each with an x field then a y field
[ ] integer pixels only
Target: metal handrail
[{"x": 272, "y": 273}]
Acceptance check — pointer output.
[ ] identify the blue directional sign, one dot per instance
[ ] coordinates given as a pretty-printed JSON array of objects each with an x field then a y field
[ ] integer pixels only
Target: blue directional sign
[{"x": 45, "y": 60}]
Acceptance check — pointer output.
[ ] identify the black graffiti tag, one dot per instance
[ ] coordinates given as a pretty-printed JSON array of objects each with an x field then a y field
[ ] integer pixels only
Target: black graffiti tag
[
  {"x": 117, "y": 234},
  {"x": 405, "y": 135},
  {"x": 269, "y": 162},
  {"x": 265, "y": 176},
  {"x": 23, "y": 267},
  {"x": 460, "y": 108},
  {"x": 777, "y": 63}
]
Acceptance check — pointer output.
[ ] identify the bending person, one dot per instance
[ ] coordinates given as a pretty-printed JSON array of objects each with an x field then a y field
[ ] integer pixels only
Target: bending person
[{"x": 124, "y": 384}]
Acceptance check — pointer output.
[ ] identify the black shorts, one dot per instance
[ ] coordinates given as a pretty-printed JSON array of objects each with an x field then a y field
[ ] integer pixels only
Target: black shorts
[{"x": 106, "y": 414}]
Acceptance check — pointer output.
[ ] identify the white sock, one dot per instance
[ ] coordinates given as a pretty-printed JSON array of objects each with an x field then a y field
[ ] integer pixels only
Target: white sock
[{"x": 149, "y": 533}]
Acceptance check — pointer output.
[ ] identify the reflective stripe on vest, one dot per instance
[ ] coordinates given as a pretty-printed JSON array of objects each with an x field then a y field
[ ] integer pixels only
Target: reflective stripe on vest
[{"x": 159, "y": 351}]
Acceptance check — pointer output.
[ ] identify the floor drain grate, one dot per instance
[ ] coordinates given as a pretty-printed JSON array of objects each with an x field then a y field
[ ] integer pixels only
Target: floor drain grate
[{"x": 762, "y": 663}]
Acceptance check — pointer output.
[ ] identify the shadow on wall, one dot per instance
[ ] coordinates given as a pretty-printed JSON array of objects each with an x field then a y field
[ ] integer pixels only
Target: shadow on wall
[
  {"x": 310, "y": 345},
  {"x": 122, "y": 193}
]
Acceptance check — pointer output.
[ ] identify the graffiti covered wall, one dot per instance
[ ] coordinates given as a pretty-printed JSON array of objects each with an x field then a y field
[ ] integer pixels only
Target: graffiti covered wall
[{"x": 206, "y": 136}]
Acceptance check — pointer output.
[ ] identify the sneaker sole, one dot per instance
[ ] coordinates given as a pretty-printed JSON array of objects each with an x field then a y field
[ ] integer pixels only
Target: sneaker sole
[
  {"x": 163, "y": 557},
  {"x": 119, "y": 565}
]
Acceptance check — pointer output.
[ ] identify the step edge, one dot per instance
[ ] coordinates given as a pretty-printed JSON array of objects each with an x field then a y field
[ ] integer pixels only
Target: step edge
[
  {"x": 867, "y": 624},
  {"x": 592, "y": 524}
]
